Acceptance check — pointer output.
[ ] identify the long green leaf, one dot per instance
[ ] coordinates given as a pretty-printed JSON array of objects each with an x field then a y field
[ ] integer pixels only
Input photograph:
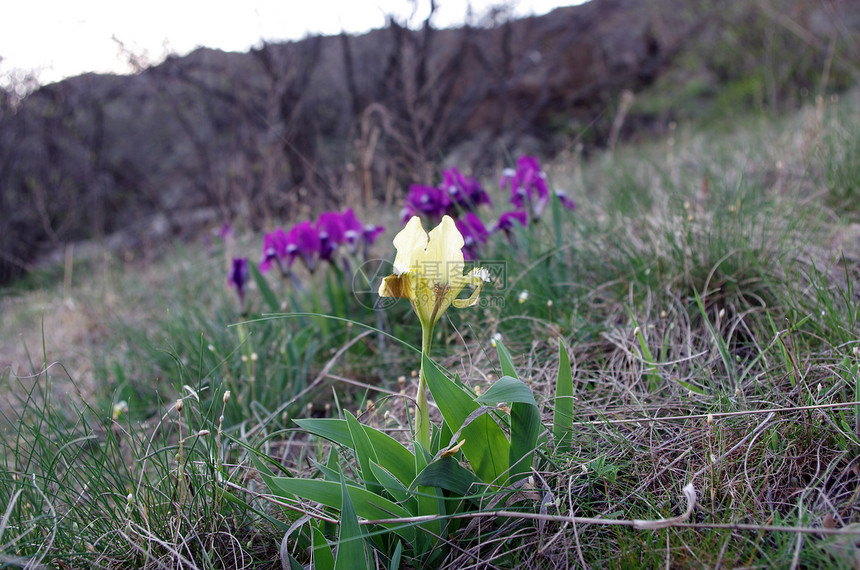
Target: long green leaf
[
  {"x": 525, "y": 420},
  {"x": 265, "y": 291},
  {"x": 350, "y": 542},
  {"x": 323, "y": 558},
  {"x": 429, "y": 503},
  {"x": 505, "y": 360},
  {"x": 725, "y": 356},
  {"x": 486, "y": 446},
  {"x": 508, "y": 389},
  {"x": 525, "y": 428},
  {"x": 394, "y": 487},
  {"x": 389, "y": 452},
  {"x": 367, "y": 504},
  {"x": 562, "y": 416},
  {"x": 447, "y": 473},
  {"x": 364, "y": 451},
  {"x": 654, "y": 380},
  {"x": 395, "y": 558}
]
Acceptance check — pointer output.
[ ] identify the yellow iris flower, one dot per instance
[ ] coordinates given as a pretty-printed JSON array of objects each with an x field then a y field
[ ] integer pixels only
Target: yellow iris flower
[{"x": 428, "y": 270}]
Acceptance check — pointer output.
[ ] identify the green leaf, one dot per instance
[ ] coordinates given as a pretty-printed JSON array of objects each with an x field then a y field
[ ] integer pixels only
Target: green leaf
[
  {"x": 654, "y": 380},
  {"x": 691, "y": 387},
  {"x": 447, "y": 473},
  {"x": 725, "y": 355},
  {"x": 395, "y": 557},
  {"x": 505, "y": 360},
  {"x": 327, "y": 472},
  {"x": 562, "y": 417},
  {"x": 394, "y": 487},
  {"x": 263, "y": 286},
  {"x": 556, "y": 221},
  {"x": 486, "y": 446},
  {"x": 508, "y": 389},
  {"x": 428, "y": 499},
  {"x": 350, "y": 541},
  {"x": 367, "y": 504},
  {"x": 525, "y": 428},
  {"x": 364, "y": 452},
  {"x": 389, "y": 452},
  {"x": 323, "y": 558}
]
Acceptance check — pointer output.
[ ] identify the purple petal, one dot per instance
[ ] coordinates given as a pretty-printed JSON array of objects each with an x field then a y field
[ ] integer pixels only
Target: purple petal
[
  {"x": 371, "y": 232},
  {"x": 307, "y": 243},
  {"x": 238, "y": 275},
  {"x": 428, "y": 200},
  {"x": 506, "y": 220},
  {"x": 565, "y": 201},
  {"x": 274, "y": 248}
]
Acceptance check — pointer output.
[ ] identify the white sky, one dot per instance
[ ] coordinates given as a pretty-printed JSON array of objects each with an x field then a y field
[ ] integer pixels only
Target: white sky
[{"x": 59, "y": 38}]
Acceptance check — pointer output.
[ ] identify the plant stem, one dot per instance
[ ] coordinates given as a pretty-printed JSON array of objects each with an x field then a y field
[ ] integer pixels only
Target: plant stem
[{"x": 423, "y": 411}]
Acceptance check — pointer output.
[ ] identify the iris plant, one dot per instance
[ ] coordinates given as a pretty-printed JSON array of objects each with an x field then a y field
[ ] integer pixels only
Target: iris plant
[
  {"x": 465, "y": 193},
  {"x": 428, "y": 270},
  {"x": 527, "y": 184},
  {"x": 317, "y": 241},
  {"x": 238, "y": 278}
]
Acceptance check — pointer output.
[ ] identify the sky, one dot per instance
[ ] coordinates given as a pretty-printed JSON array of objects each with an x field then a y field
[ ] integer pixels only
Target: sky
[{"x": 61, "y": 38}]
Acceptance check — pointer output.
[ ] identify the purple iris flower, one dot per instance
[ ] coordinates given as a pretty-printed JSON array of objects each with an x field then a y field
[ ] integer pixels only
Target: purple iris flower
[
  {"x": 527, "y": 185},
  {"x": 428, "y": 201},
  {"x": 474, "y": 235},
  {"x": 507, "y": 220},
  {"x": 371, "y": 232},
  {"x": 238, "y": 278},
  {"x": 331, "y": 231},
  {"x": 565, "y": 201},
  {"x": 466, "y": 193},
  {"x": 353, "y": 229},
  {"x": 356, "y": 233},
  {"x": 274, "y": 250},
  {"x": 307, "y": 243}
]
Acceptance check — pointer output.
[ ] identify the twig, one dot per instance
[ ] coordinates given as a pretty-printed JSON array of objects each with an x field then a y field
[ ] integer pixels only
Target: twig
[
  {"x": 754, "y": 433},
  {"x": 717, "y": 415}
]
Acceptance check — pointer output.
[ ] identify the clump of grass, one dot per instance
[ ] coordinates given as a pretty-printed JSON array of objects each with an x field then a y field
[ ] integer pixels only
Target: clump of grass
[{"x": 85, "y": 488}]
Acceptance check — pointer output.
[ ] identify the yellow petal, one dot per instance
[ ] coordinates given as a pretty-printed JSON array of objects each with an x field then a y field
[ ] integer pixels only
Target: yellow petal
[
  {"x": 410, "y": 243},
  {"x": 444, "y": 252},
  {"x": 453, "y": 449}
]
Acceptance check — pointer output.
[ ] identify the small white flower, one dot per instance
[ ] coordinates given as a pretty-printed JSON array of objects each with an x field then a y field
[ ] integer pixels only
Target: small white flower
[
  {"x": 119, "y": 408},
  {"x": 483, "y": 274},
  {"x": 497, "y": 337},
  {"x": 523, "y": 296}
]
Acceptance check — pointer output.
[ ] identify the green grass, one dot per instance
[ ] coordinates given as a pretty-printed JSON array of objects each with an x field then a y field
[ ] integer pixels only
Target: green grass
[{"x": 709, "y": 304}]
